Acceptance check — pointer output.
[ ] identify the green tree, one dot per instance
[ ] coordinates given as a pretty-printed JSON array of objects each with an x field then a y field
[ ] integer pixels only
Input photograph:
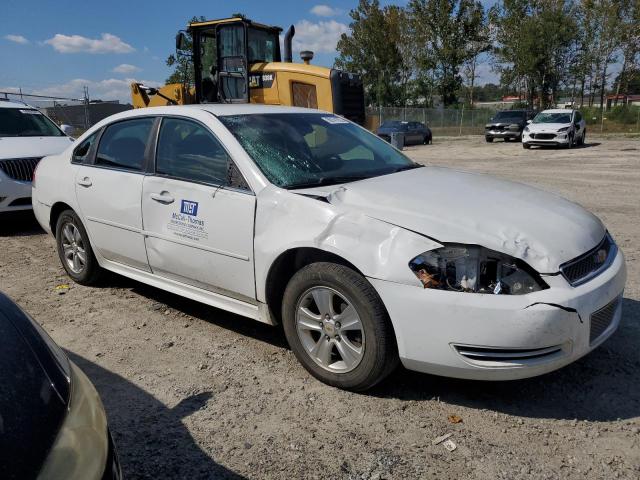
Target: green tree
[
  {"x": 183, "y": 64},
  {"x": 534, "y": 44},
  {"x": 373, "y": 48},
  {"x": 447, "y": 33},
  {"x": 628, "y": 79}
]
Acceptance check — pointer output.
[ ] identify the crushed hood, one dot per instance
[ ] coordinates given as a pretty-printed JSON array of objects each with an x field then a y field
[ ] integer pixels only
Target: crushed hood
[
  {"x": 25, "y": 147},
  {"x": 539, "y": 227}
]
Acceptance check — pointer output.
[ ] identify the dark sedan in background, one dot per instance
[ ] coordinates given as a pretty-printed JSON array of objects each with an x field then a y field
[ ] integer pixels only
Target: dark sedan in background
[
  {"x": 415, "y": 133},
  {"x": 507, "y": 124},
  {"x": 52, "y": 423}
]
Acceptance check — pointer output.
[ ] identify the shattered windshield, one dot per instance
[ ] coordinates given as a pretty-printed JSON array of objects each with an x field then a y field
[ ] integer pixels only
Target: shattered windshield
[
  {"x": 26, "y": 122},
  {"x": 553, "y": 118},
  {"x": 297, "y": 150}
]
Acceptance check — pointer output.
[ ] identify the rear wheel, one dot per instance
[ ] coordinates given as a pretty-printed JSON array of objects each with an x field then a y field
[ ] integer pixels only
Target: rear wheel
[
  {"x": 583, "y": 138},
  {"x": 337, "y": 327},
  {"x": 74, "y": 249}
]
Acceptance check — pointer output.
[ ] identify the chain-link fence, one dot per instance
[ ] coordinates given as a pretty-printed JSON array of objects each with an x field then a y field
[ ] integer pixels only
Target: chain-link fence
[
  {"x": 79, "y": 113},
  {"x": 463, "y": 121},
  {"x": 441, "y": 121}
]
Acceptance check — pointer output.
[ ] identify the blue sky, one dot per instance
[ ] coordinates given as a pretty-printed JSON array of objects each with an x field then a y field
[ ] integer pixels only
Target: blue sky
[{"x": 55, "y": 47}]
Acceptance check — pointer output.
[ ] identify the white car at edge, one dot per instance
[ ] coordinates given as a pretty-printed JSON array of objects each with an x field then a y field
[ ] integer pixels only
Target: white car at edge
[
  {"x": 26, "y": 135},
  {"x": 555, "y": 127},
  {"x": 301, "y": 217}
]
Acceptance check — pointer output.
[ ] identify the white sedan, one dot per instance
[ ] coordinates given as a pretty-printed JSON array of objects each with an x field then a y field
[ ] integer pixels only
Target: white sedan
[
  {"x": 301, "y": 217},
  {"x": 556, "y": 127}
]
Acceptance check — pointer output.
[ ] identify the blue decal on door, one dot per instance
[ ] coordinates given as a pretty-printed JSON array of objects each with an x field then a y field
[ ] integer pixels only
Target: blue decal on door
[{"x": 189, "y": 208}]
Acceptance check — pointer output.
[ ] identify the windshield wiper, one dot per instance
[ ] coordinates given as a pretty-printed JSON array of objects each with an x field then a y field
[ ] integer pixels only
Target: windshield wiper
[
  {"x": 406, "y": 167},
  {"x": 327, "y": 181},
  {"x": 335, "y": 180}
]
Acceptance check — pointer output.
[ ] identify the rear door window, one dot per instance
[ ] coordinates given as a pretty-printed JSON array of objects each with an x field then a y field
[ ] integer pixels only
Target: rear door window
[
  {"x": 189, "y": 151},
  {"x": 123, "y": 144}
]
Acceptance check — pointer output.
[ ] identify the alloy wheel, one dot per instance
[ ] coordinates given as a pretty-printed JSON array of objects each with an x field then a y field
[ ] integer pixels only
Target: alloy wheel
[
  {"x": 330, "y": 329},
  {"x": 73, "y": 248}
]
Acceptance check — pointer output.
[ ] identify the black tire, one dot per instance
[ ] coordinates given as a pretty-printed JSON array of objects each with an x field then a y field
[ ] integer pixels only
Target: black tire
[
  {"x": 489, "y": 139},
  {"x": 583, "y": 138},
  {"x": 91, "y": 272},
  {"x": 569, "y": 144},
  {"x": 380, "y": 352},
  {"x": 526, "y": 146}
]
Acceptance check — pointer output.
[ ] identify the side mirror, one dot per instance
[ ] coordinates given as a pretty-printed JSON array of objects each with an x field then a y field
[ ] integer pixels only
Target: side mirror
[
  {"x": 67, "y": 130},
  {"x": 181, "y": 41},
  {"x": 529, "y": 121}
]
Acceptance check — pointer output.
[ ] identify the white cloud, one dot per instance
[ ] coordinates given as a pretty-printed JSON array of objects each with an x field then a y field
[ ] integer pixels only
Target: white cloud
[
  {"x": 321, "y": 37},
  {"x": 107, "y": 89},
  {"x": 325, "y": 11},
  {"x": 485, "y": 74},
  {"x": 108, "y": 43},
  {"x": 126, "y": 69},
  {"x": 16, "y": 39}
]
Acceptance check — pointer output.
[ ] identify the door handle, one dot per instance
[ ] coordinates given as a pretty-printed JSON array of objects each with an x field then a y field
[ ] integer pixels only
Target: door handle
[
  {"x": 85, "y": 182},
  {"x": 162, "y": 197}
]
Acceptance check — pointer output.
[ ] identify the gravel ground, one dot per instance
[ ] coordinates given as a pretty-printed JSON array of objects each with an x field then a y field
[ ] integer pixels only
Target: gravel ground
[{"x": 195, "y": 392}]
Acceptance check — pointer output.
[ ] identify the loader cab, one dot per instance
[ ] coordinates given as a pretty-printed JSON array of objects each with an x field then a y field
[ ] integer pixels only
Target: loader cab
[{"x": 223, "y": 52}]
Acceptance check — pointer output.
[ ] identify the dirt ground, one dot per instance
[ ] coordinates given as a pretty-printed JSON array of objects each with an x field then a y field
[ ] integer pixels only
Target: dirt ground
[{"x": 194, "y": 392}]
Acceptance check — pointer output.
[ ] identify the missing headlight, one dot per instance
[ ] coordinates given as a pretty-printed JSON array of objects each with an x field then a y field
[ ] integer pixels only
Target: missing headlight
[{"x": 475, "y": 269}]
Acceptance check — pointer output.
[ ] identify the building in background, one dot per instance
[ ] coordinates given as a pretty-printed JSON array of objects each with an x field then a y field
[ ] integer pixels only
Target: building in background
[{"x": 81, "y": 116}]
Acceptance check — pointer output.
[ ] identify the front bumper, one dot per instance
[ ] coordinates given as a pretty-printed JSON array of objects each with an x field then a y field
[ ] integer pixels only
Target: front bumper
[
  {"x": 502, "y": 133},
  {"x": 83, "y": 449},
  {"x": 501, "y": 337},
  {"x": 553, "y": 139},
  {"x": 14, "y": 194},
  {"x": 112, "y": 469}
]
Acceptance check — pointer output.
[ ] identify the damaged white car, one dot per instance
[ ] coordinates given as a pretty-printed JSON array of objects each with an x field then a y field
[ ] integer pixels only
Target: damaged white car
[{"x": 301, "y": 217}]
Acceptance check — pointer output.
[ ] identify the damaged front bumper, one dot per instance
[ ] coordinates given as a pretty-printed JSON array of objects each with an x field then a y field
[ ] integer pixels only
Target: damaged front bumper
[{"x": 503, "y": 337}]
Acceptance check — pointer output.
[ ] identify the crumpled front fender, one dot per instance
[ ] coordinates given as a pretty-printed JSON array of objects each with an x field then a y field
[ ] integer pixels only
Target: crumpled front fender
[{"x": 286, "y": 221}]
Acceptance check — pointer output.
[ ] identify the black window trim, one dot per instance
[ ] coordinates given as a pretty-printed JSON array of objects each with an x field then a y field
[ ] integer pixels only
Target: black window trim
[
  {"x": 146, "y": 162},
  {"x": 153, "y": 170}
]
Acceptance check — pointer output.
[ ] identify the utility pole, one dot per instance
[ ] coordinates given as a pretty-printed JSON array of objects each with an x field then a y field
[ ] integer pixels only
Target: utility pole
[{"x": 87, "y": 119}]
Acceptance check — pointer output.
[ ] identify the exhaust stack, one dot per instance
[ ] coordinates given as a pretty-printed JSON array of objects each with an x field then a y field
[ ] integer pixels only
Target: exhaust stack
[{"x": 288, "y": 55}]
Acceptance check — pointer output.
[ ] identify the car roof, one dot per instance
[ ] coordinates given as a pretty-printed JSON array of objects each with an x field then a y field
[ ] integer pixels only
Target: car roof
[
  {"x": 558, "y": 110},
  {"x": 222, "y": 110},
  {"x": 10, "y": 104}
]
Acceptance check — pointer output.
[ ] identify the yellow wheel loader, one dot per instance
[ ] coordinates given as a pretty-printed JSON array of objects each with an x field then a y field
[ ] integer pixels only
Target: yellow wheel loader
[{"x": 238, "y": 61}]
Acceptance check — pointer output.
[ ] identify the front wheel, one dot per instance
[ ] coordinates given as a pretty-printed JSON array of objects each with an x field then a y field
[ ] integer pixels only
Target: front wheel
[
  {"x": 526, "y": 146},
  {"x": 489, "y": 139},
  {"x": 74, "y": 249},
  {"x": 569, "y": 144},
  {"x": 338, "y": 328}
]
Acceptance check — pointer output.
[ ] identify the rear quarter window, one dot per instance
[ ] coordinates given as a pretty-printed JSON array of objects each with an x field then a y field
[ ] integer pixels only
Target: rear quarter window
[{"x": 81, "y": 152}]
